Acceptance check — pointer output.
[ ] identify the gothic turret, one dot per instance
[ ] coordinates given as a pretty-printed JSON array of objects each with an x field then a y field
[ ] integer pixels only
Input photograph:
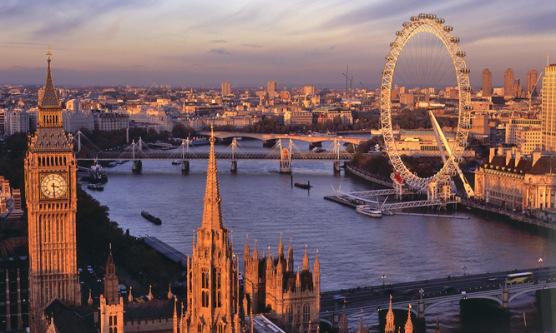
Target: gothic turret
[
  {"x": 408, "y": 324},
  {"x": 390, "y": 326},
  {"x": 280, "y": 248},
  {"x": 305, "y": 260},
  {"x": 290, "y": 257},
  {"x": 246, "y": 251},
  {"x": 256, "y": 251},
  {"x": 150, "y": 295},
  {"x": 111, "y": 303},
  {"x": 111, "y": 292},
  {"x": 170, "y": 294}
]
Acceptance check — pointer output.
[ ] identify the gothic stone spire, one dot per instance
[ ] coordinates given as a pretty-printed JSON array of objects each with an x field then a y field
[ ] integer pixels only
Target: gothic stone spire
[
  {"x": 408, "y": 324},
  {"x": 212, "y": 212},
  {"x": 49, "y": 99},
  {"x": 390, "y": 327},
  {"x": 111, "y": 291}
]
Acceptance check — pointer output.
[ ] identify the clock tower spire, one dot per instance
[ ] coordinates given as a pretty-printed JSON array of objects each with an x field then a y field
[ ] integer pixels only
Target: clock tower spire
[{"x": 51, "y": 198}]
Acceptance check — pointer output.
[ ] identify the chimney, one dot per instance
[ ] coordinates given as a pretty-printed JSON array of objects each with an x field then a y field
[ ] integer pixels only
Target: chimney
[
  {"x": 536, "y": 156},
  {"x": 517, "y": 158},
  {"x": 491, "y": 154},
  {"x": 508, "y": 156}
]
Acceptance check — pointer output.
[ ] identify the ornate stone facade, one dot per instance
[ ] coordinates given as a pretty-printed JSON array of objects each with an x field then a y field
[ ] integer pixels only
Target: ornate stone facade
[
  {"x": 111, "y": 302},
  {"x": 213, "y": 294},
  {"x": 516, "y": 181},
  {"x": 50, "y": 187},
  {"x": 272, "y": 285}
]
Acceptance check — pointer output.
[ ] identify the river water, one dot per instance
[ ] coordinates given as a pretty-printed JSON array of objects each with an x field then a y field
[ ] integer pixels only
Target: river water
[{"x": 260, "y": 204}]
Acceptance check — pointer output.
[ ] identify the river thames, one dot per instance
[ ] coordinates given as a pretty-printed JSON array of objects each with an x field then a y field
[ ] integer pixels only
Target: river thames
[{"x": 260, "y": 204}]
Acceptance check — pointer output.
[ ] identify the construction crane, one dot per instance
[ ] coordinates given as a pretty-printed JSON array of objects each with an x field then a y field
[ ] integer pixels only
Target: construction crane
[
  {"x": 349, "y": 79},
  {"x": 445, "y": 147},
  {"x": 533, "y": 88}
]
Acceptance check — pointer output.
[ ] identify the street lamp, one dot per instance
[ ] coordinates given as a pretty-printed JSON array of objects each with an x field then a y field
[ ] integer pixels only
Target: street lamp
[
  {"x": 540, "y": 261},
  {"x": 383, "y": 277}
]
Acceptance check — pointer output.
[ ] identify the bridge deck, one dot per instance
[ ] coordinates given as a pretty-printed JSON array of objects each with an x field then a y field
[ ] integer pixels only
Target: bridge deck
[
  {"x": 167, "y": 155},
  {"x": 366, "y": 300}
]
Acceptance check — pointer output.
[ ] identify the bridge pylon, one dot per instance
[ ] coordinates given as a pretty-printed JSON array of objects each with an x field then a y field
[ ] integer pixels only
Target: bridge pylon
[
  {"x": 184, "y": 162},
  {"x": 136, "y": 165},
  {"x": 505, "y": 296},
  {"x": 336, "y": 150},
  {"x": 233, "y": 166},
  {"x": 285, "y": 157},
  {"x": 421, "y": 305},
  {"x": 79, "y": 141}
]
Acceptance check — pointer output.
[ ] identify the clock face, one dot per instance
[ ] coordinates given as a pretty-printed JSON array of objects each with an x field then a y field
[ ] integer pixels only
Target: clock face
[{"x": 54, "y": 186}]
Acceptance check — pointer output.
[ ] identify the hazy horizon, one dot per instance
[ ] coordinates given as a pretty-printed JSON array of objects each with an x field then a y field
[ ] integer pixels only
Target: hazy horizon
[{"x": 201, "y": 43}]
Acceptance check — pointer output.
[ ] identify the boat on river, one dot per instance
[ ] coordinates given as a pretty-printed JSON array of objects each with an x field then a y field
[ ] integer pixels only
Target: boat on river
[
  {"x": 151, "y": 218},
  {"x": 96, "y": 174},
  {"x": 305, "y": 186},
  {"x": 95, "y": 186},
  {"x": 368, "y": 211}
]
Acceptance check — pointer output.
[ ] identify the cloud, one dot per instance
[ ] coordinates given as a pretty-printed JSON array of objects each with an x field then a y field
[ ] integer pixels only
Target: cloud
[
  {"x": 220, "y": 51},
  {"x": 63, "y": 16},
  {"x": 219, "y": 41},
  {"x": 253, "y": 46}
]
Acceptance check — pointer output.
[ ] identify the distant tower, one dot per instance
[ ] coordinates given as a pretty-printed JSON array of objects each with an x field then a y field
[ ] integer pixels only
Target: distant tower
[
  {"x": 509, "y": 89},
  {"x": 226, "y": 88},
  {"x": 271, "y": 88},
  {"x": 549, "y": 108},
  {"x": 111, "y": 303},
  {"x": 50, "y": 187},
  {"x": 532, "y": 77},
  {"x": 487, "y": 83},
  {"x": 213, "y": 303},
  {"x": 517, "y": 88}
]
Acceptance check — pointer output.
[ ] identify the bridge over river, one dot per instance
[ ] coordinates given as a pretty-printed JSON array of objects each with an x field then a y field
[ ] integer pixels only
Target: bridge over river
[
  {"x": 429, "y": 294},
  {"x": 311, "y": 138}
]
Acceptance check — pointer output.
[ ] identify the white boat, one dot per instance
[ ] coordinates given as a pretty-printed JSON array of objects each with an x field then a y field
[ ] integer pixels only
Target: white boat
[{"x": 366, "y": 210}]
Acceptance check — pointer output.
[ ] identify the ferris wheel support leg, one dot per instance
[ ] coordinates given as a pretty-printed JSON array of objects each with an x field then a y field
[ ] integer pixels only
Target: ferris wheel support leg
[{"x": 440, "y": 135}]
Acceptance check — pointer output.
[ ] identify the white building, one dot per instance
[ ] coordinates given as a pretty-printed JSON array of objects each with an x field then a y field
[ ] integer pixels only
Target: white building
[
  {"x": 16, "y": 121},
  {"x": 298, "y": 118},
  {"x": 74, "y": 121},
  {"x": 525, "y": 133},
  {"x": 110, "y": 121}
]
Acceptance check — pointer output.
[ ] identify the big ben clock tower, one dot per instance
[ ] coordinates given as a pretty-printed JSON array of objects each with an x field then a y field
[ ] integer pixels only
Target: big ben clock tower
[{"x": 50, "y": 187}]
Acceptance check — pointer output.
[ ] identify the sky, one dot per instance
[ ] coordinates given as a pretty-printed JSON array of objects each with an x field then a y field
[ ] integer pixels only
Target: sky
[{"x": 200, "y": 43}]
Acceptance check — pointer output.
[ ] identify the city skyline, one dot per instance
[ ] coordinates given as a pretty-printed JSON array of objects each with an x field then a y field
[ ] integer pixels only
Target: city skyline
[{"x": 249, "y": 43}]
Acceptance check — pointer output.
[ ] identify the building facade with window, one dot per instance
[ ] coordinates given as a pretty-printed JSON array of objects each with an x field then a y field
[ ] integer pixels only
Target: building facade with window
[
  {"x": 517, "y": 181},
  {"x": 272, "y": 285}
]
